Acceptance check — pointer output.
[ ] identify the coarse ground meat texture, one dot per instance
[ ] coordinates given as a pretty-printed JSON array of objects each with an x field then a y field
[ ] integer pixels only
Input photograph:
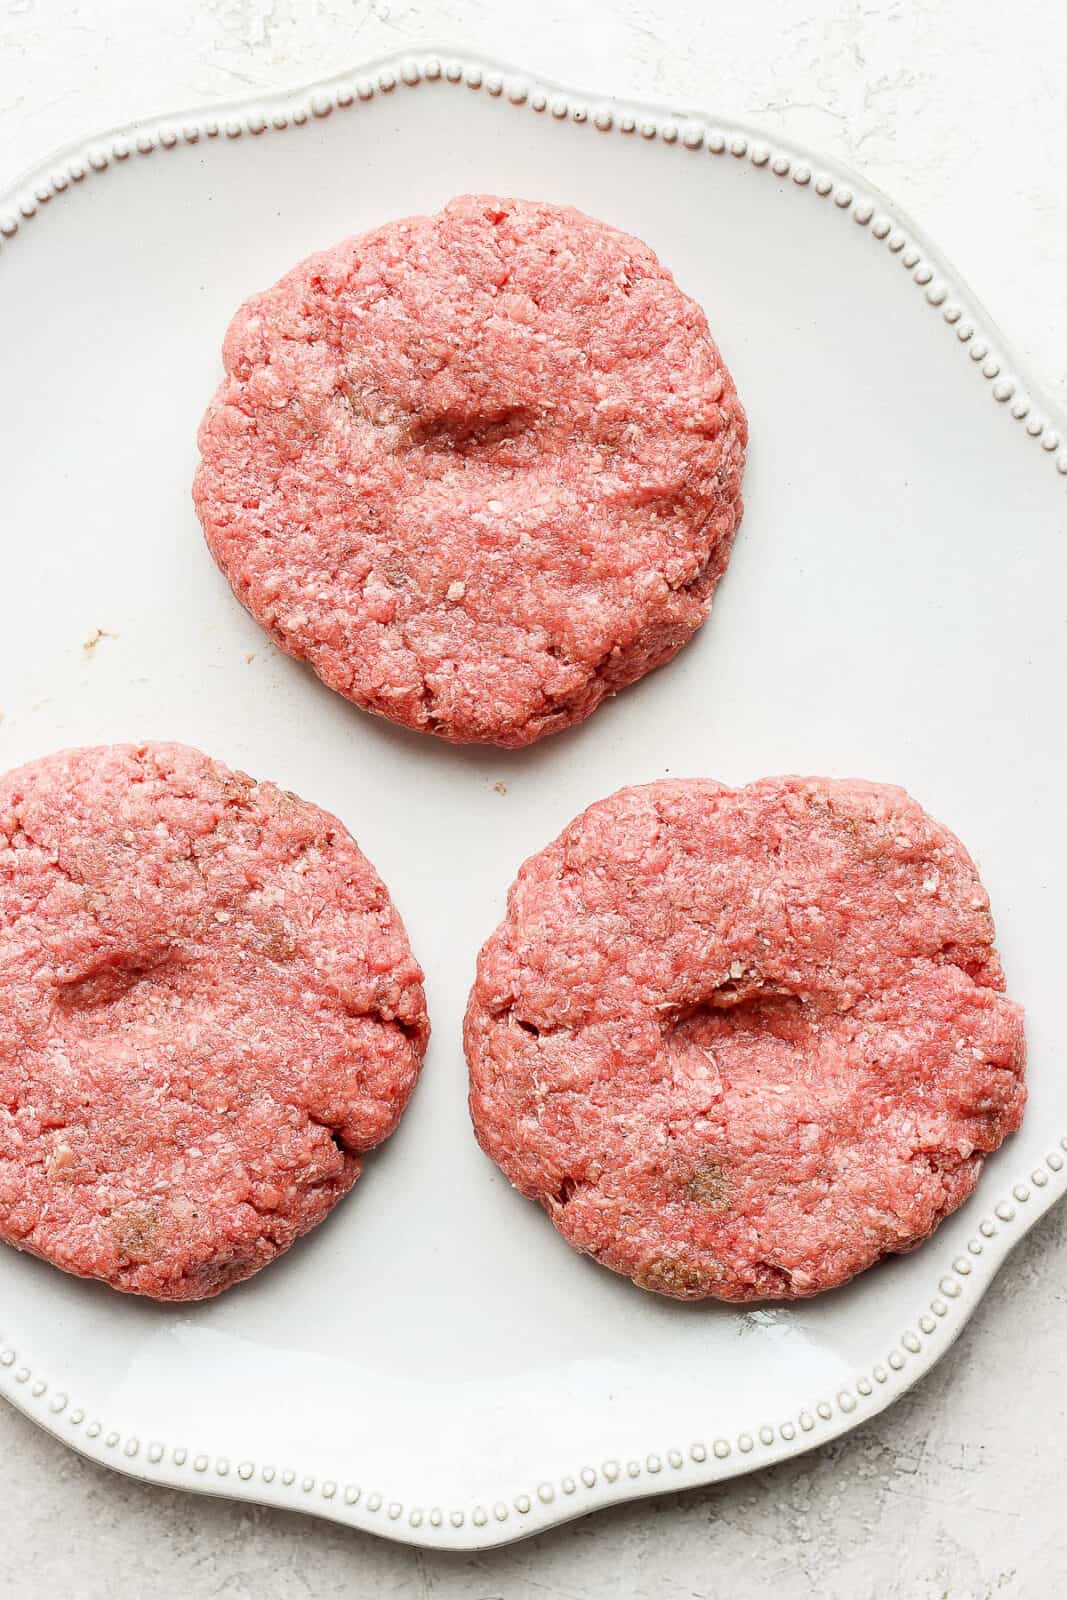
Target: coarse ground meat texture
[
  {"x": 480, "y": 469},
  {"x": 743, "y": 1043},
  {"x": 210, "y": 1011}
]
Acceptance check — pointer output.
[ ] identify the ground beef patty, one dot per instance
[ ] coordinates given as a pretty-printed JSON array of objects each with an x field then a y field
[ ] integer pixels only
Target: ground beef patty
[
  {"x": 479, "y": 469},
  {"x": 210, "y": 1010},
  {"x": 742, "y": 1043}
]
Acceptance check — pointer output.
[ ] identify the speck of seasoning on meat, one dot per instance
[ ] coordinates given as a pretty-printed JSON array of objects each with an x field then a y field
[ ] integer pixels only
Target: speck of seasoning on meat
[
  {"x": 707, "y": 1183},
  {"x": 480, "y": 469},
  {"x": 744, "y": 1043},
  {"x": 210, "y": 1012}
]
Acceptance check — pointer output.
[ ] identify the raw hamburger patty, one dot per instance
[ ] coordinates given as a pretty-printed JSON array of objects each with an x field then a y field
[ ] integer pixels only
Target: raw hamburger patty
[
  {"x": 742, "y": 1043},
  {"x": 210, "y": 1010},
  {"x": 480, "y": 469}
]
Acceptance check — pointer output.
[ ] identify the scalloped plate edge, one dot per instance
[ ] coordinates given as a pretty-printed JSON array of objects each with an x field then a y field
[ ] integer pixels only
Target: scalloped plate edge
[{"x": 959, "y": 1284}]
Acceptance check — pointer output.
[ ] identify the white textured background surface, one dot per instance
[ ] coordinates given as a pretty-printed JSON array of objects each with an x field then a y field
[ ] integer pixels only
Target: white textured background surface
[{"x": 959, "y": 109}]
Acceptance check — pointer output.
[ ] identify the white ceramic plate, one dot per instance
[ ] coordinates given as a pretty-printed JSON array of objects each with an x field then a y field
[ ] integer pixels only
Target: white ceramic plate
[{"x": 434, "y": 1363}]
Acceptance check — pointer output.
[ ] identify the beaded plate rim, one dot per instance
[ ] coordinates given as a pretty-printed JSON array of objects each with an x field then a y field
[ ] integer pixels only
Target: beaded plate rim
[{"x": 957, "y": 1285}]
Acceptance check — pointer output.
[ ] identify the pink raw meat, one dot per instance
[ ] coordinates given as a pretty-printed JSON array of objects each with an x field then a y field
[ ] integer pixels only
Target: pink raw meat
[
  {"x": 480, "y": 469},
  {"x": 210, "y": 1011},
  {"x": 743, "y": 1043}
]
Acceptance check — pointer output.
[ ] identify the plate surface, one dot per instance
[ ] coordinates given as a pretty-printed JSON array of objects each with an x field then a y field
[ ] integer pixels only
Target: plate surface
[{"x": 434, "y": 1363}]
